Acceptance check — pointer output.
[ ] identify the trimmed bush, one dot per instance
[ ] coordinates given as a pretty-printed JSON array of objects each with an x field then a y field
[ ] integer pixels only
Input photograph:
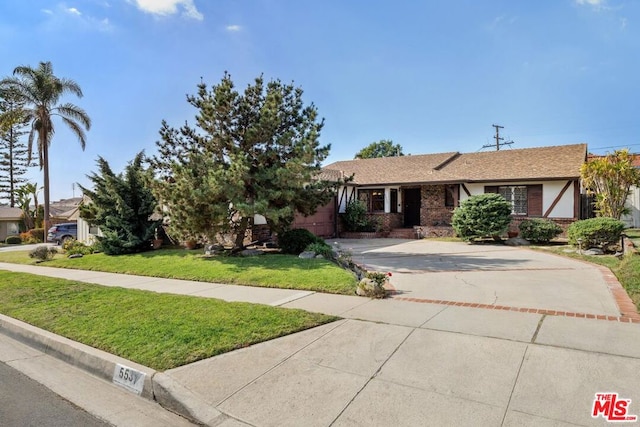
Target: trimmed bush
[
  {"x": 595, "y": 232},
  {"x": 38, "y": 234},
  {"x": 35, "y": 235},
  {"x": 320, "y": 248},
  {"x": 13, "y": 240},
  {"x": 43, "y": 253},
  {"x": 484, "y": 215},
  {"x": 72, "y": 246},
  {"x": 539, "y": 230},
  {"x": 296, "y": 240},
  {"x": 355, "y": 217}
]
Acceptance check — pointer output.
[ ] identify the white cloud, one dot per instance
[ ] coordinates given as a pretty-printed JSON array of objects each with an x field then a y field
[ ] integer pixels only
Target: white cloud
[
  {"x": 233, "y": 28},
  {"x": 73, "y": 11},
  {"x": 170, "y": 7},
  {"x": 623, "y": 23},
  {"x": 591, "y": 2},
  {"x": 47, "y": 11}
]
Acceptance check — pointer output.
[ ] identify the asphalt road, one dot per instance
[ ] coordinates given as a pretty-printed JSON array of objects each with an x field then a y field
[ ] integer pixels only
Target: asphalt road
[{"x": 24, "y": 402}]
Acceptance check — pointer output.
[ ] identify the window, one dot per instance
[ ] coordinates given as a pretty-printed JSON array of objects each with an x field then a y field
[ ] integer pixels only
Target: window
[
  {"x": 372, "y": 199},
  {"x": 517, "y": 197},
  {"x": 450, "y": 195},
  {"x": 394, "y": 200}
]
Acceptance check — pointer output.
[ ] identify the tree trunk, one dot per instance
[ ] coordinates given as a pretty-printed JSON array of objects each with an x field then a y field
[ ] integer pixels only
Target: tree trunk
[
  {"x": 45, "y": 166},
  {"x": 242, "y": 230}
]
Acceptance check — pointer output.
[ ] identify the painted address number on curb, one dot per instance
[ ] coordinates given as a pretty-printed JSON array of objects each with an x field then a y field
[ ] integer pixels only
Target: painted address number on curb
[{"x": 129, "y": 378}]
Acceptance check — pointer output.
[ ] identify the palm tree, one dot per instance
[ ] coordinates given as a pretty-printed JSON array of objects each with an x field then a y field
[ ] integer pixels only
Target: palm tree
[{"x": 41, "y": 90}]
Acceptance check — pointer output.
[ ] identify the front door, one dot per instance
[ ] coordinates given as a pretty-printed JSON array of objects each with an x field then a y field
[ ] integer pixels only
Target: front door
[{"x": 412, "y": 201}]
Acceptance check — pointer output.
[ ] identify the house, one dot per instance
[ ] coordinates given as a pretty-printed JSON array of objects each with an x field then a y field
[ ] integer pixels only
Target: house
[
  {"x": 10, "y": 219},
  {"x": 420, "y": 192}
]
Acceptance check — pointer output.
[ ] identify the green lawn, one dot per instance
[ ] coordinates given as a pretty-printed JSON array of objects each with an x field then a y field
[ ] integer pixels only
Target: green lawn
[
  {"x": 160, "y": 331},
  {"x": 272, "y": 270}
]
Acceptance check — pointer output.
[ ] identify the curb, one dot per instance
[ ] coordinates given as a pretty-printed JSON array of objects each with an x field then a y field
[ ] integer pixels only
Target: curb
[{"x": 158, "y": 387}]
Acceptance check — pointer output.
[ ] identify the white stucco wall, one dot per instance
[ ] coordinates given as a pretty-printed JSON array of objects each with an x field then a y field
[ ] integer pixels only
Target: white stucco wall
[
  {"x": 550, "y": 190},
  {"x": 86, "y": 234},
  {"x": 633, "y": 203}
]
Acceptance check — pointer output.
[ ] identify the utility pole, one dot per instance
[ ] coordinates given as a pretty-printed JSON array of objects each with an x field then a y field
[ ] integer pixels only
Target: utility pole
[{"x": 498, "y": 138}]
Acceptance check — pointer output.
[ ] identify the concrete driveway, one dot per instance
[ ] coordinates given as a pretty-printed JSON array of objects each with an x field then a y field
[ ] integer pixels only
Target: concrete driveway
[{"x": 486, "y": 274}]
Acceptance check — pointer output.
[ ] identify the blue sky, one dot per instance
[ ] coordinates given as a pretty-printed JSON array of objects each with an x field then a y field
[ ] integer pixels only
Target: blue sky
[{"x": 431, "y": 75}]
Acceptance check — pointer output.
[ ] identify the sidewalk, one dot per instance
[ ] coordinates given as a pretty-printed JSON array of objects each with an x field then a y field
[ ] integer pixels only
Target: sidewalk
[{"x": 390, "y": 362}]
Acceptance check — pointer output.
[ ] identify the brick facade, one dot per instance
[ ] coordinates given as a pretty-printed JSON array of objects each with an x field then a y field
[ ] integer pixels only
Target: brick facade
[
  {"x": 433, "y": 211},
  {"x": 562, "y": 222}
]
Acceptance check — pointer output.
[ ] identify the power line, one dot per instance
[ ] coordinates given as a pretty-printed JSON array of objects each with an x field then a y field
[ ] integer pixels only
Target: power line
[{"x": 498, "y": 138}]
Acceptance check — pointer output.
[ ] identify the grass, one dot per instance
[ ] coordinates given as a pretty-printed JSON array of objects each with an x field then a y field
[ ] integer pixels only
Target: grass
[
  {"x": 627, "y": 269},
  {"x": 271, "y": 270},
  {"x": 160, "y": 331}
]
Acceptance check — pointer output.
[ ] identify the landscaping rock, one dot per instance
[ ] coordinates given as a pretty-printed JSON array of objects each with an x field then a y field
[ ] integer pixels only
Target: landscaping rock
[
  {"x": 307, "y": 255},
  {"x": 517, "y": 241},
  {"x": 319, "y": 256},
  {"x": 593, "y": 251},
  {"x": 213, "y": 249},
  {"x": 251, "y": 252},
  {"x": 75, "y": 256}
]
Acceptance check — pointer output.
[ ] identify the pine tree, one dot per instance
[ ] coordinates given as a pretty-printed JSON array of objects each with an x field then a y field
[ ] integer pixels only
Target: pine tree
[
  {"x": 252, "y": 153},
  {"x": 13, "y": 152},
  {"x": 121, "y": 205}
]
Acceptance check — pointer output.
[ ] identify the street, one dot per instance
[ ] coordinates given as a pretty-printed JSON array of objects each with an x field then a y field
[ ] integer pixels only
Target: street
[{"x": 24, "y": 402}]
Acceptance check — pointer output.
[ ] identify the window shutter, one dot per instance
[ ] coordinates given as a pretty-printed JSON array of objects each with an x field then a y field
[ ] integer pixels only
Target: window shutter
[
  {"x": 490, "y": 189},
  {"x": 534, "y": 200}
]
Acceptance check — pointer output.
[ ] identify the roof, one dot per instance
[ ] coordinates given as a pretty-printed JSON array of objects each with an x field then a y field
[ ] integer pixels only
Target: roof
[
  {"x": 525, "y": 164},
  {"x": 65, "y": 208},
  {"x": 9, "y": 214}
]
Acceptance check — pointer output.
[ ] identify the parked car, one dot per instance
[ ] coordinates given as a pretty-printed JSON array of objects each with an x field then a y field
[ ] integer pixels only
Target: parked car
[{"x": 60, "y": 233}]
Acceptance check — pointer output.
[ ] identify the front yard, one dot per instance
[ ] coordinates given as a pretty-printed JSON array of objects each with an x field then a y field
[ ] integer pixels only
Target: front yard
[
  {"x": 271, "y": 270},
  {"x": 161, "y": 331}
]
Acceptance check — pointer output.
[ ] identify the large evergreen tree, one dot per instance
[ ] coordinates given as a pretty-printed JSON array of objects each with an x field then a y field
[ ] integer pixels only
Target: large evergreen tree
[
  {"x": 256, "y": 152},
  {"x": 41, "y": 91},
  {"x": 13, "y": 153},
  {"x": 121, "y": 205}
]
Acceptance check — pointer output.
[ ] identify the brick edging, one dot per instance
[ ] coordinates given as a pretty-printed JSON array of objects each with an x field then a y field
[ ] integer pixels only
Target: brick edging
[{"x": 628, "y": 310}]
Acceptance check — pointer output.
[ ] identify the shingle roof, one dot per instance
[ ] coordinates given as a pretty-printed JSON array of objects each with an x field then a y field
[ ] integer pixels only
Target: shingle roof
[
  {"x": 393, "y": 170},
  {"x": 7, "y": 213},
  {"x": 557, "y": 162}
]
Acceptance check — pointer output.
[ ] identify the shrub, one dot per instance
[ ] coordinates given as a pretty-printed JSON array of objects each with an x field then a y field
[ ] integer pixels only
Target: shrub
[
  {"x": 296, "y": 240},
  {"x": 539, "y": 230},
  {"x": 72, "y": 246},
  {"x": 43, "y": 253},
  {"x": 13, "y": 240},
  {"x": 595, "y": 232},
  {"x": 355, "y": 217},
  {"x": 372, "y": 285},
  {"x": 35, "y": 235},
  {"x": 320, "y": 248},
  {"x": 481, "y": 216}
]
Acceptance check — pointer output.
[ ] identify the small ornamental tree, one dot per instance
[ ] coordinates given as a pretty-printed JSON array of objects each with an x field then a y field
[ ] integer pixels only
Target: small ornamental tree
[
  {"x": 484, "y": 215},
  {"x": 121, "y": 205},
  {"x": 610, "y": 178}
]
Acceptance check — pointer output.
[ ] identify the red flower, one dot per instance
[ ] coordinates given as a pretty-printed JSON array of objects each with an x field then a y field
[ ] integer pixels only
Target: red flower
[{"x": 389, "y": 274}]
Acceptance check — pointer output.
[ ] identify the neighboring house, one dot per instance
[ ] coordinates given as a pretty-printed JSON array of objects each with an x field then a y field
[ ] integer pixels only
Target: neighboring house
[
  {"x": 65, "y": 210},
  {"x": 632, "y": 219},
  {"x": 10, "y": 219},
  {"x": 420, "y": 192}
]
